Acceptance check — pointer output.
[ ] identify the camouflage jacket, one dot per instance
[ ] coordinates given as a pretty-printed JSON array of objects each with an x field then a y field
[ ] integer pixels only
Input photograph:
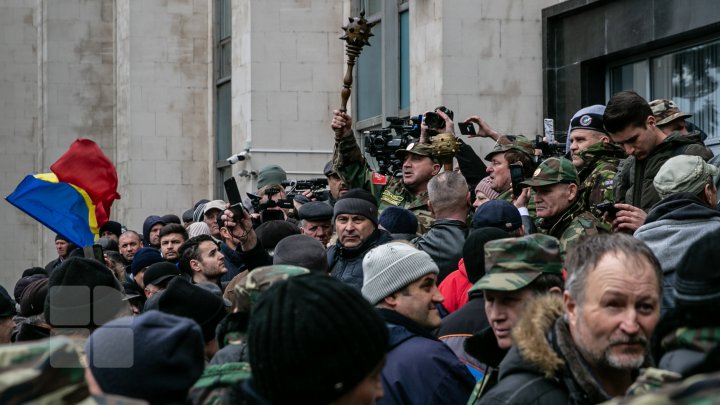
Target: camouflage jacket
[
  {"x": 221, "y": 384},
  {"x": 572, "y": 225},
  {"x": 352, "y": 167},
  {"x": 701, "y": 389},
  {"x": 597, "y": 178},
  {"x": 49, "y": 371}
]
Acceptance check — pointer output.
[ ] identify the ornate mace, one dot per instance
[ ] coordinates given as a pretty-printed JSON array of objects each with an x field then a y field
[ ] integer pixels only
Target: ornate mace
[{"x": 357, "y": 33}]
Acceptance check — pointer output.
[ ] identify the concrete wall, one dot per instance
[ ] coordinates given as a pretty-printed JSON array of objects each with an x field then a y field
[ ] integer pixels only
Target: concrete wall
[
  {"x": 132, "y": 76},
  {"x": 136, "y": 76},
  {"x": 286, "y": 79},
  {"x": 479, "y": 58}
]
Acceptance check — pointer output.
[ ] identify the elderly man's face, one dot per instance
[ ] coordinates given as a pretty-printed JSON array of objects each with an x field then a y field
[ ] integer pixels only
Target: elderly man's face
[
  {"x": 621, "y": 307},
  {"x": 553, "y": 200},
  {"x": 320, "y": 230}
]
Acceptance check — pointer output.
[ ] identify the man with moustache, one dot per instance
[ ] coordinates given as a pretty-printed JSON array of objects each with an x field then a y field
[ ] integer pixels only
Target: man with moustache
[{"x": 588, "y": 346}]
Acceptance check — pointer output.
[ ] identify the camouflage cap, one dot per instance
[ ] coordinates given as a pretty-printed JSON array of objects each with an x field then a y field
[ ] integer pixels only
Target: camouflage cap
[
  {"x": 666, "y": 111},
  {"x": 683, "y": 174},
  {"x": 553, "y": 171},
  {"x": 416, "y": 148},
  {"x": 260, "y": 279},
  {"x": 514, "y": 263},
  {"x": 512, "y": 142}
]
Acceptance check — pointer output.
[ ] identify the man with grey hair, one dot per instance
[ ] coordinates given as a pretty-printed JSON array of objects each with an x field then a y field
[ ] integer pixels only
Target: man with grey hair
[
  {"x": 685, "y": 215},
  {"x": 590, "y": 345},
  {"x": 449, "y": 202}
]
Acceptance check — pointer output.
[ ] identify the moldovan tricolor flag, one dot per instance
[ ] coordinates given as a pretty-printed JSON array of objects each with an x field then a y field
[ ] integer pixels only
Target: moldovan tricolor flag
[{"x": 75, "y": 199}]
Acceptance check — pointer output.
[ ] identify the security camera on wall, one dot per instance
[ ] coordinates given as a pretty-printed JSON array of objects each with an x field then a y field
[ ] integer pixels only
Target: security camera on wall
[{"x": 239, "y": 157}]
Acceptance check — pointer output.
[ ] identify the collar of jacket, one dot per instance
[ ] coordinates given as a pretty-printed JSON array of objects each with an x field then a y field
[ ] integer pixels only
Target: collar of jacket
[
  {"x": 484, "y": 347},
  {"x": 347, "y": 253},
  {"x": 396, "y": 318},
  {"x": 553, "y": 224}
]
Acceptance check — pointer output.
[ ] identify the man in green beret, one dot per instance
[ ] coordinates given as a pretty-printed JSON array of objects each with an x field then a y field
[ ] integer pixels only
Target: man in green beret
[
  {"x": 560, "y": 212},
  {"x": 518, "y": 270}
]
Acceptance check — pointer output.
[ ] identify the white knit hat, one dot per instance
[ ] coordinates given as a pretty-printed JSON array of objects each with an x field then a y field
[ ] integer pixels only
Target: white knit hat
[{"x": 390, "y": 267}]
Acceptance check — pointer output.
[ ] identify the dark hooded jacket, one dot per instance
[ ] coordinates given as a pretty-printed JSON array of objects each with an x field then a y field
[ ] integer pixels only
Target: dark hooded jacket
[
  {"x": 419, "y": 369},
  {"x": 671, "y": 228},
  {"x": 634, "y": 182},
  {"x": 544, "y": 366},
  {"x": 345, "y": 264},
  {"x": 147, "y": 225},
  {"x": 444, "y": 243}
]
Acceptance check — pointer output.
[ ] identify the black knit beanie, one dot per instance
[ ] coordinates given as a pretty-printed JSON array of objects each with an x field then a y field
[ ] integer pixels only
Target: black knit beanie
[
  {"x": 312, "y": 339},
  {"x": 474, "y": 250},
  {"x": 185, "y": 299},
  {"x": 697, "y": 281},
  {"x": 271, "y": 232},
  {"x": 357, "y": 202},
  {"x": 82, "y": 293}
]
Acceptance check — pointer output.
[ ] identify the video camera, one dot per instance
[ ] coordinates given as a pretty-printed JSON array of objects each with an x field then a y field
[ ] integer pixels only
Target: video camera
[
  {"x": 382, "y": 144},
  {"x": 270, "y": 203},
  {"x": 553, "y": 149},
  {"x": 317, "y": 186}
]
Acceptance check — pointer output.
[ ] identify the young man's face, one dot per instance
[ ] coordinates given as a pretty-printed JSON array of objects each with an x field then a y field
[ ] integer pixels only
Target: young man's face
[
  {"x": 637, "y": 141},
  {"x": 418, "y": 301},
  {"x": 553, "y": 200},
  {"x": 418, "y": 170},
  {"x": 211, "y": 263},
  {"x": 169, "y": 245},
  {"x": 499, "y": 171},
  {"x": 613, "y": 323},
  {"x": 502, "y": 309},
  {"x": 353, "y": 230}
]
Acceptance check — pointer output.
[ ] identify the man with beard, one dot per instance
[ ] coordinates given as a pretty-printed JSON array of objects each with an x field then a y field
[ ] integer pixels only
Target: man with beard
[
  {"x": 588, "y": 346},
  {"x": 200, "y": 258},
  {"x": 172, "y": 236}
]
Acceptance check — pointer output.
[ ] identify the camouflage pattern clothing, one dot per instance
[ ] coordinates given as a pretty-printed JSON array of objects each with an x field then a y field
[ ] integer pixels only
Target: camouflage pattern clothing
[
  {"x": 701, "y": 389},
  {"x": 572, "y": 225},
  {"x": 221, "y": 384},
  {"x": 597, "y": 177},
  {"x": 514, "y": 263},
  {"x": 351, "y": 166}
]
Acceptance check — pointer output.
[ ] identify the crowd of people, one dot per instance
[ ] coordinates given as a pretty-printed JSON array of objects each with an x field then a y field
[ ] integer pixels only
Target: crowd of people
[{"x": 591, "y": 279}]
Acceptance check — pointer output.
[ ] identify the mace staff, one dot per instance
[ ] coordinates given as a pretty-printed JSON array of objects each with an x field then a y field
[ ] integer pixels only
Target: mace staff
[{"x": 357, "y": 33}]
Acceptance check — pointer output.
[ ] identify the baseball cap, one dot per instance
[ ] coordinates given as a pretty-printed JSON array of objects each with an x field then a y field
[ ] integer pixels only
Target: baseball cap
[
  {"x": 213, "y": 205},
  {"x": 329, "y": 170},
  {"x": 683, "y": 173},
  {"x": 553, "y": 171},
  {"x": 161, "y": 272},
  {"x": 512, "y": 142},
  {"x": 272, "y": 174},
  {"x": 499, "y": 214},
  {"x": 666, "y": 111},
  {"x": 514, "y": 263}
]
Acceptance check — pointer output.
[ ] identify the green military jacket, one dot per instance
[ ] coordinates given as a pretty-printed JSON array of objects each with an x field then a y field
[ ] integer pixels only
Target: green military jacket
[
  {"x": 597, "y": 177},
  {"x": 572, "y": 225},
  {"x": 388, "y": 191}
]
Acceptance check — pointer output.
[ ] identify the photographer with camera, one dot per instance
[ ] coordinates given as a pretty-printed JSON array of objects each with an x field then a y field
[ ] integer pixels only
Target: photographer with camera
[{"x": 410, "y": 191}]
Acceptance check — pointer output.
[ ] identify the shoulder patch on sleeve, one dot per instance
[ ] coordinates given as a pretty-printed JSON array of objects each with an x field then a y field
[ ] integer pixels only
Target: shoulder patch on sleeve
[{"x": 379, "y": 179}]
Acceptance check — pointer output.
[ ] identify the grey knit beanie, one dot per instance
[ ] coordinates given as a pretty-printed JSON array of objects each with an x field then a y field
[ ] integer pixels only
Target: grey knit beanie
[{"x": 390, "y": 267}]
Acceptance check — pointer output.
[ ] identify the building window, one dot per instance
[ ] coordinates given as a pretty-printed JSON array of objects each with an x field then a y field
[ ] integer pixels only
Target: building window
[
  {"x": 688, "y": 76},
  {"x": 383, "y": 70},
  {"x": 223, "y": 100}
]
